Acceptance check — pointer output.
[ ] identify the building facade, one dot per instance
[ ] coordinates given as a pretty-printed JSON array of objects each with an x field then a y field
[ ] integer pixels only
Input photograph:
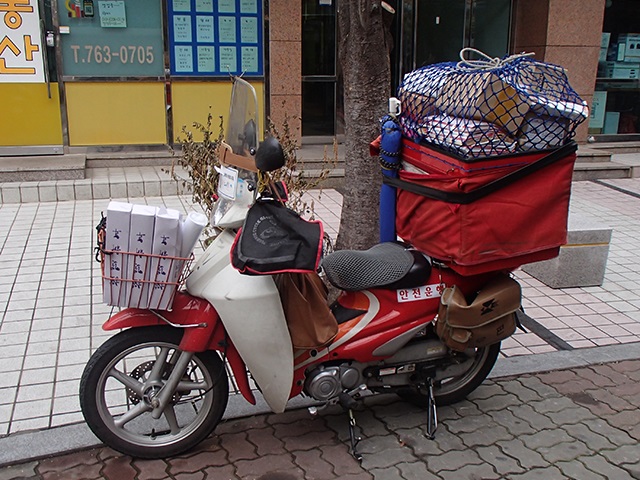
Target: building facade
[{"x": 82, "y": 74}]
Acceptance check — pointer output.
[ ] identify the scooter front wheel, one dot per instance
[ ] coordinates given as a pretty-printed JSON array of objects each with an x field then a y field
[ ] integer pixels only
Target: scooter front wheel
[{"x": 124, "y": 375}]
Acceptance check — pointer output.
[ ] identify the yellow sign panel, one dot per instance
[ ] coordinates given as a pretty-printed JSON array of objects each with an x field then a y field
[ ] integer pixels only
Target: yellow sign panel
[
  {"x": 109, "y": 113},
  {"x": 192, "y": 102},
  {"x": 29, "y": 116}
]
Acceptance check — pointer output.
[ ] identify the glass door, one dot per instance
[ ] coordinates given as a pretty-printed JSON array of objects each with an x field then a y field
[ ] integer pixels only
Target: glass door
[
  {"x": 615, "y": 108},
  {"x": 444, "y": 27},
  {"x": 320, "y": 96}
]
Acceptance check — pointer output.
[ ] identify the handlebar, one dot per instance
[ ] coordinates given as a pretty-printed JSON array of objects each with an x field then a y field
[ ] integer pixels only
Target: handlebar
[{"x": 227, "y": 157}]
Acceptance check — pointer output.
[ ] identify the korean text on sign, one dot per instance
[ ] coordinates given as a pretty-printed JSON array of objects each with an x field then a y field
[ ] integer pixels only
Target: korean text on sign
[
  {"x": 20, "y": 46},
  {"x": 420, "y": 293}
]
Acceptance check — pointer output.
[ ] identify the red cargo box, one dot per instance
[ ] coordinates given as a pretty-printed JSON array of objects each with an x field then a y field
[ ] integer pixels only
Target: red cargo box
[{"x": 486, "y": 214}]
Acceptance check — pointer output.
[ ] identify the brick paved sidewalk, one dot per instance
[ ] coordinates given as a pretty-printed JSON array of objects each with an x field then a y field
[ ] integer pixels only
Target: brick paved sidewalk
[
  {"x": 51, "y": 308},
  {"x": 580, "y": 423}
]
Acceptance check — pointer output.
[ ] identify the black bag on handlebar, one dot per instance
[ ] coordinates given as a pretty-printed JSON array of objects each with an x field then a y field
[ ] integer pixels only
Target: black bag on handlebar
[{"x": 275, "y": 239}]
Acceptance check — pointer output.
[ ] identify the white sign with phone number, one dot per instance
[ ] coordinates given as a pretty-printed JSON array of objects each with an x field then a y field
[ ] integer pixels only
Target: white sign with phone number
[{"x": 420, "y": 293}]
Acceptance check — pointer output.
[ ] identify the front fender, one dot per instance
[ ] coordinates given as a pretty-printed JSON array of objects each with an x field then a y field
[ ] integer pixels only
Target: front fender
[
  {"x": 211, "y": 335},
  {"x": 187, "y": 310}
]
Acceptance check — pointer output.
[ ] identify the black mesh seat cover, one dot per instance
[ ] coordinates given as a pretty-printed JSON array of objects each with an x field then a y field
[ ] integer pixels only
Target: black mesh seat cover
[{"x": 383, "y": 265}]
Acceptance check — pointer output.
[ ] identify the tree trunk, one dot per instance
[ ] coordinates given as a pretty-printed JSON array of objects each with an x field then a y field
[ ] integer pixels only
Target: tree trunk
[{"x": 364, "y": 46}]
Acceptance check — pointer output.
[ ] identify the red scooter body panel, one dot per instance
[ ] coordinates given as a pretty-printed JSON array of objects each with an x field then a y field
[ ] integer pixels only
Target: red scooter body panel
[
  {"x": 388, "y": 314},
  {"x": 189, "y": 310}
]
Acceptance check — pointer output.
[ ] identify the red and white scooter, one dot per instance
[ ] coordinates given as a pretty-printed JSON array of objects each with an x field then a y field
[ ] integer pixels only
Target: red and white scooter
[{"x": 160, "y": 386}]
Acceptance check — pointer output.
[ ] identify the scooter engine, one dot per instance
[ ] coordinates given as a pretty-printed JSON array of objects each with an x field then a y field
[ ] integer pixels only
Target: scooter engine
[{"x": 324, "y": 383}]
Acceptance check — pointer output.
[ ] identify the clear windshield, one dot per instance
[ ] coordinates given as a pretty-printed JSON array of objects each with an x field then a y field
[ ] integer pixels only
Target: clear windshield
[
  {"x": 236, "y": 187},
  {"x": 242, "y": 133}
]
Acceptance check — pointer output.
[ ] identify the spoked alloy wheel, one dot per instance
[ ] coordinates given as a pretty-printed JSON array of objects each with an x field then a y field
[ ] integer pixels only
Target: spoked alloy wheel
[
  {"x": 467, "y": 373},
  {"x": 125, "y": 374}
]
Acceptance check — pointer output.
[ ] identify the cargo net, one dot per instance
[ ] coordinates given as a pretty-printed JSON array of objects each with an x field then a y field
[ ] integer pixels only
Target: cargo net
[{"x": 488, "y": 107}]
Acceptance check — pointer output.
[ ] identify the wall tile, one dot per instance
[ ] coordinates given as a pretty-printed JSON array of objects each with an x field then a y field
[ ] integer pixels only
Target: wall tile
[
  {"x": 289, "y": 107},
  {"x": 575, "y": 22},
  {"x": 285, "y": 21},
  {"x": 530, "y": 30},
  {"x": 581, "y": 64},
  {"x": 285, "y": 68}
]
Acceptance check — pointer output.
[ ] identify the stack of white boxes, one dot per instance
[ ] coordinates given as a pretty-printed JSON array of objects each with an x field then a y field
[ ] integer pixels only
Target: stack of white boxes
[
  {"x": 116, "y": 240},
  {"x": 147, "y": 276},
  {"x": 139, "y": 267},
  {"x": 165, "y": 244}
]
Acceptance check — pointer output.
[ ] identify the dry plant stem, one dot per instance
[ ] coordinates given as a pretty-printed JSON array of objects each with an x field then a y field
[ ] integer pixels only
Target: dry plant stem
[
  {"x": 293, "y": 174},
  {"x": 199, "y": 160}
]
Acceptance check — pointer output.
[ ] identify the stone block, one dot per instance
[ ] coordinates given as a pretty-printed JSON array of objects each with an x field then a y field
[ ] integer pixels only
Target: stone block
[
  {"x": 100, "y": 188},
  {"x": 10, "y": 193},
  {"x": 29, "y": 192},
  {"x": 582, "y": 261},
  {"x": 65, "y": 190},
  {"x": 152, "y": 188},
  {"x": 47, "y": 191},
  {"x": 83, "y": 190},
  {"x": 118, "y": 190},
  {"x": 135, "y": 189}
]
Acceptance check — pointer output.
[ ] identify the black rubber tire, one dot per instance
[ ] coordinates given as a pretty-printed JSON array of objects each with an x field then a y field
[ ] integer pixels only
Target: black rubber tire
[
  {"x": 457, "y": 388},
  {"x": 97, "y": 412}
]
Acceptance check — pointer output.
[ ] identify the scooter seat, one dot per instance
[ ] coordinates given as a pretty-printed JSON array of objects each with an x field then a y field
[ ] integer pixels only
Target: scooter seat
[{"x": 388, "y": 265}]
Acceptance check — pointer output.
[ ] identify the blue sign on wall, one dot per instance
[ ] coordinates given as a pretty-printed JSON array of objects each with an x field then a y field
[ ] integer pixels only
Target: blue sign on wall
[{"x": 216, "y": 37}]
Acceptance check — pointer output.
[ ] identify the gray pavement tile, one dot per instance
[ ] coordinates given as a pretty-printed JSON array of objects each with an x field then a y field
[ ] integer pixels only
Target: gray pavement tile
[
  {"x": 600, "y": 465},
  {"x": 32, "y": 409},
  {"x": 539, "y": 473},
  {"x": 454, "y": 460},
  {"x": 576, "y": 469},
  {"x": 9, "y": 378},
  {"x": 418, "y": 442},
  {"x": 415, "y": 471},
  {"x": 28, "y": 393},
  {"x": 501, "y": 463},
  {"x": 487, "y": 437},
  {"x": 527, "y": 458},
  {"x": 483, "y": 471},
  {"x": 516, "y": 426}
]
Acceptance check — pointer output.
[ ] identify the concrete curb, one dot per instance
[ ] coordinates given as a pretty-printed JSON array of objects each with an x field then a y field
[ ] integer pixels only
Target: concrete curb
[
  {"x": 23, "y": 447},
  {"x": 561, "y": 360}
]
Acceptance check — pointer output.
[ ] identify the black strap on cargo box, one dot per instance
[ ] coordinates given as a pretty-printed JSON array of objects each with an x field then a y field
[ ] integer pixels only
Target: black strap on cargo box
[{"x": 466, "y": 198}]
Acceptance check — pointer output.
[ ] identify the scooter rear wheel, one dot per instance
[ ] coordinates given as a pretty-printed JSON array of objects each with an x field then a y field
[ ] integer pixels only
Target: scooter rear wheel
[
  {"x": 123, "y": 376},
  {"x": 454, "y": 389}
]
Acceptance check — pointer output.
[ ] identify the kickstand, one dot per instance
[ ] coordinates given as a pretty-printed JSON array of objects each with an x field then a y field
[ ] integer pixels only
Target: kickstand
[
  {"x": 432, "y": 414},
  {"x": 353, "y": 436}
]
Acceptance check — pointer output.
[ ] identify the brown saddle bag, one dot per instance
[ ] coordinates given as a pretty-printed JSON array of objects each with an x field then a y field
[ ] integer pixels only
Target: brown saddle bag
[{"x": 488, "y": 319}]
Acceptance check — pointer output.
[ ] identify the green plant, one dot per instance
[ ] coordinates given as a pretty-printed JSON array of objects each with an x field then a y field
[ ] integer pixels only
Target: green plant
[
  {"x": 293, "y": 174},
  {"x": 199, "y": 160}
]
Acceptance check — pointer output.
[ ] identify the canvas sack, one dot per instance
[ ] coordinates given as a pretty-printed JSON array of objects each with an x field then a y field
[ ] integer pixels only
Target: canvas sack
[
  {"x": 489, "y": 319},
  {"x": 304, "y": 301}
]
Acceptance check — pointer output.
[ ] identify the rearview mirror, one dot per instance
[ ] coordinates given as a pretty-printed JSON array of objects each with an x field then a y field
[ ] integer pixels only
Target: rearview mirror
[{"x": 270, "y": 155}]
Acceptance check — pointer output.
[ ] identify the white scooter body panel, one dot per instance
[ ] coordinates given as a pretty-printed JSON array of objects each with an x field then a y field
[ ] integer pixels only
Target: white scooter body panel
[
  {"x": 212, "y": 261},
  {"x": 251, "y": 311}
]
